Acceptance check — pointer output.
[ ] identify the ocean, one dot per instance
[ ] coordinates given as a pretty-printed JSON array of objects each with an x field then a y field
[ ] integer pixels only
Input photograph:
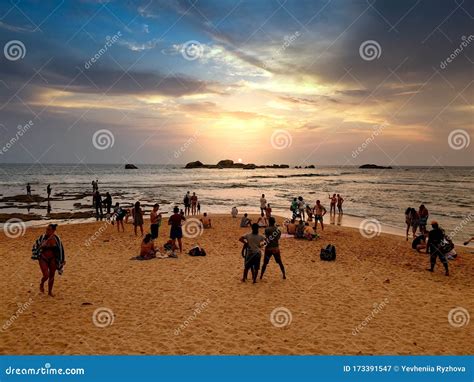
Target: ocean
[{"x": 368, "y": 193}]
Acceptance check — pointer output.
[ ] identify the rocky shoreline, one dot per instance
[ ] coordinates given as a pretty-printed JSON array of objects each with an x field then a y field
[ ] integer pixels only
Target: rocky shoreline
[{"x": 228, "y": 163}]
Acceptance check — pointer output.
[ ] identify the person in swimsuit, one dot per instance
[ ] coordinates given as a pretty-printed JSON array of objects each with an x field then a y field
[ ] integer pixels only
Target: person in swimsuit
[
  {"x": 206, "y": 221},
  {"x": 424, "y": 214},
  {"x": 187, "y": 203},
  {"x": 147, "y": 248},
  {"x": 253, "y": 241},
  {"x": 272, "y": 234},
  {"x": 268, "y": 211},
  {"x": 262, "y": 221},
  {"x": 194, "y": 202},
  {"x": 319, "y": 211},
  {"x": 332, "y": 207},
  {"x": 263, "y": 203},
  {"x": 49, "y": 252},
  {"x": 176, "y": 231},
  {"x": 119, "y": 213},
  {"x": 137, "y": 214},
  {"x": 28, "y": 189},
  {"x": 414, "y": 220},
  {"x": 155, "y": 221},
  {"x": 340, "y": 200},
  {"x": 291, "y": 227}
]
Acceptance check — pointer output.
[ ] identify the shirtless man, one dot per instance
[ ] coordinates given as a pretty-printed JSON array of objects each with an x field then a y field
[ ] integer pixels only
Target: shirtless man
[
  {"x": 340, "y": 200},
  {"x": 194, "y": 202},
  {"x": 319, "y": 211}
]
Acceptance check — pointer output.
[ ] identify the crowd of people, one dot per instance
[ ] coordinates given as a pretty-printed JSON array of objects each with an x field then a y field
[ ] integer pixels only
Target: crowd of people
[{"x": 303, "y": 224}]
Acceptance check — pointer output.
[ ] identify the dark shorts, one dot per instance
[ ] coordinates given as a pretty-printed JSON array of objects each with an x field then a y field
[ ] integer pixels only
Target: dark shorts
[
  {"x": 252, "y": 260},
  {"x": 187, "y": 205},
  {"x": 318, "y": 218},
  {"x": 269, "y": 252},
  {"x": 154, "y": 230},
  {"x": 176, "y": 233}
]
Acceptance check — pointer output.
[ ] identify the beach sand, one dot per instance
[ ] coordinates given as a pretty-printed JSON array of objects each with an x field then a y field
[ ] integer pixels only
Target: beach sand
[{"x": 199, "y": 305}]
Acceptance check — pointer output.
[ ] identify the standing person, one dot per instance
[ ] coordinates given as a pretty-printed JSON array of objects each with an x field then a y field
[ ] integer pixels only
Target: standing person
[
  {"x": 408, "y": 220},
  {"x": 252, "y": 258},
  {"x": 176, "y": 231},
  {"x": 119, "y": 213},
  {"x": 423, "y": 214},
  {"x": 340, "y": 200},
  {"x": 263, "y": 203},
  {"x": 194, "y": 202},
  {"x": 199, "y": 208},
  {"x": 301, "y": 207},
  {"x": 108, "y": 202},
  {"x": 273, "y": 234},
  {"x": 187, "y": 203},
  {"x": 137, "y": 214},
  {"x": 294, "y": 208},
  {"x": 93, "y": 186},
  {"x": 415, "y": 221},
  {"x": 155, "y": 221},
  {"x": 234, "y": 212},
  {"x": 319, "y": 212},
  {"x": 28, "y": 189},
  {"x": 268, "y": 211},
  {"x": 48, "y": 191},
  {"x": 332, "y": 207},
  {"x": 433, "y": 247},
  {"x": 99, "y": 213},
  {"x": 49, "y": 251}
]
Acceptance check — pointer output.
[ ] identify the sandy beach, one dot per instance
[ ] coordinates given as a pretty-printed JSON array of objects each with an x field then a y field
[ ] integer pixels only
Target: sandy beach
[{"x": 376, "y": 298}]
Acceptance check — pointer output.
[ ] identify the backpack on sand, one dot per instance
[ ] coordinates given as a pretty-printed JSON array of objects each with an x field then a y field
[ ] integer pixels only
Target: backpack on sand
[
  {"x": 197, "y": 251},
  {"x": 328, "y": 253}
]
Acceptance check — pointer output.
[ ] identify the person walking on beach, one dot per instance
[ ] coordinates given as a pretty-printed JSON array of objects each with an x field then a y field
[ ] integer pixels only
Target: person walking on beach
[
  {"x": 137, "y": 214},
  {"x": 176, "y": 231},
  {"x": 187, "y": 203},
  {"x": 263, "y": 204},
  {"x": 423, "y": 214},
  {"x": 253, "y": 241},
  {"x": 194, "y": 202},
  {"x": 272, "y": 249},
  {"x": 99, "y": 213},
  {"x": 48, "y": 191},
  {"x": 28, "y": 189},
  {"x": 155, "y": 221},
  {"x": 119, "y": 213},
  {"x": 319, "y": 211},
  {"x": 340, "y": 200},
  {"x": 332, "y": 206},
  {"x": 433, "y": 247},
  {"x": 49, "y": 251}
]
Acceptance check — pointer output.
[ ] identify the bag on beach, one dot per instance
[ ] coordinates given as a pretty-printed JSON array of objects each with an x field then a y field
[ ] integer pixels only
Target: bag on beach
[
  {"x": 197, "y": 251},
  {"x": 328, "y": 253}
]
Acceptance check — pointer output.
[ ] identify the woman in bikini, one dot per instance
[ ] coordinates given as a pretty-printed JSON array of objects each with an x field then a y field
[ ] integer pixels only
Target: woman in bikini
[
  {"x": 49, "y": 252},
  {"x": 332, "y": 207},
  {"x": 137, "y": 214},
  {"x": 147, "y": 248}
]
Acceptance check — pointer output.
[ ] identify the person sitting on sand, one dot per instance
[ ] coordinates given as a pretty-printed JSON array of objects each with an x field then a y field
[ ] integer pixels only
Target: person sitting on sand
[
  {"x": 340, "y": 200},
  {"x": 234, "y": 212},
  {"x": 299, "y": 233},
  {"x": 147, "y": 248},
  {"x": 262, "y": 221},
  {"x": 268, "y": 211},
  {"x": 252, "y": 258},
  {"x": 155, "y": 221},
  {"x": 309, "y": 232},
  {"x": 137, "y": 214},
  {"x": 423, "y": 214},
  {"x": 433, "y": 247},
  {"x": 176, "y": 231},
  {"x": 49, "y": 251},
  {"x": 206, "y": 221},
  {"x": 419, "y": 242},
  {"x": 273, "y": 234},
  {"x": 245, "y": 221},
  {"x": 291, "y": 227},
  {"x": 332, "y": 207},
  {"x": 119, "y": 213}
]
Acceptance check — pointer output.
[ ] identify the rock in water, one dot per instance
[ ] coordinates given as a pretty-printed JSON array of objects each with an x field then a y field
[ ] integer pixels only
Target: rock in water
[{"x": 129, "y": 166}]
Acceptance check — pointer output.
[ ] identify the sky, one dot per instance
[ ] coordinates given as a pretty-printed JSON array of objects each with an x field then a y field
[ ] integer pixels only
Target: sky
[{"x": 324, "y": 82}]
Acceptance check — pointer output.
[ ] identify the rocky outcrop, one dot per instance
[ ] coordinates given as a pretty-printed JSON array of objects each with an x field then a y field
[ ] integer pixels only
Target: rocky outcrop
[
  {"x": 129, "y": 166},
  {"x": 196, "y": 164},
  {"x": 250, "y": 166},
  {"x": 375, "y": 166},
  {"x": 228, "y": 163}
]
